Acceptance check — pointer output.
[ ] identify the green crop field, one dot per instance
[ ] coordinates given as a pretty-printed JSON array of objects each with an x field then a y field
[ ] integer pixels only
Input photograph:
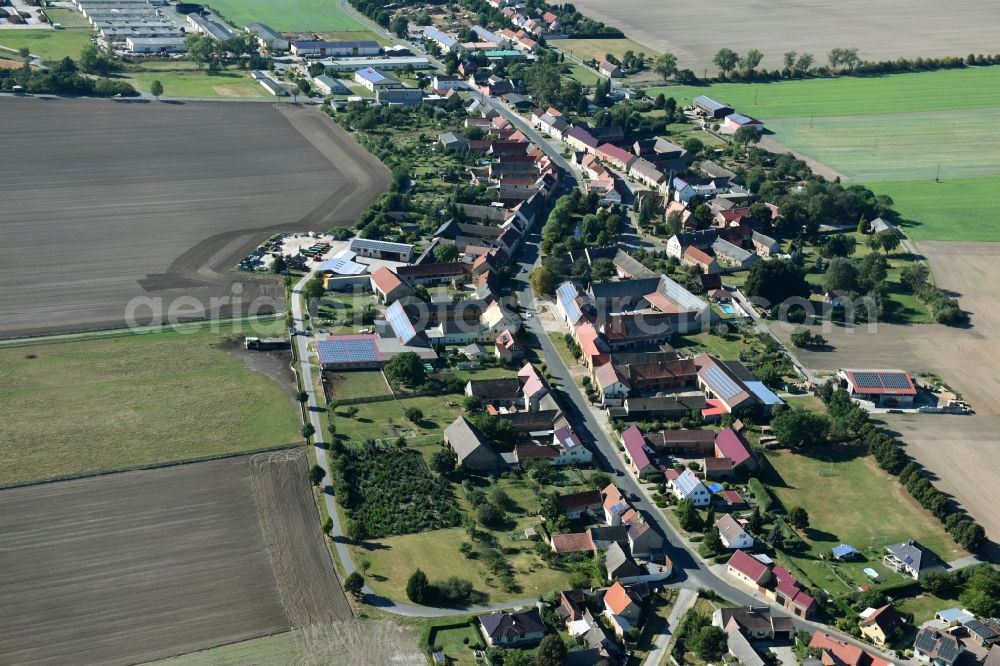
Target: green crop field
[
  {"x": 288, "y": 15},
  {"x": 895, "y": 134},
  {"x": 944, "y": 90},
  {"x": 596, "y": 49},
  {"x": 48, "y": 44},
  {"x": 899, "y": 146},
  {"x": 194, "y": 83},
  {"x": 954, "y": 209},
  {"x": 75, "y": 407}
]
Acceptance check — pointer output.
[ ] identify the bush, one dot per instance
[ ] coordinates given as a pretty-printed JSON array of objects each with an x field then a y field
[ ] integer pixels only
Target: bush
[{"x": 760, "y": 491}]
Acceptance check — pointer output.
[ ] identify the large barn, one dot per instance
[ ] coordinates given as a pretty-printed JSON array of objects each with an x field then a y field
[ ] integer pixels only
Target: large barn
[{"x": 885, "y": 388}]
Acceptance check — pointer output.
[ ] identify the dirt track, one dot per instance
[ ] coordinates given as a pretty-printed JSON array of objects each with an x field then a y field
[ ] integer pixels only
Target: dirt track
[
  {"x": 961, "y": 450},
  {"x": 138, "y": 566},
  {"x": 883, "y": 30},
  {"x": 116, "y": 200}
]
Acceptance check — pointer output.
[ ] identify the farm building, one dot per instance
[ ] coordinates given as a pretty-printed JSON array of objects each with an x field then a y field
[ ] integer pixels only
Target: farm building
[
  {"x": 885, "y": 388},
  {"x": 446, "y": 42},
  {"x": 471, "y": 446},
  {"x": 330, "y": 86},
  {"x": 378, "y": 249},
  {"x": 735, "y": 121},
  {"x": 373, "y": 80},
  {"x": 349, "y": 352},
  {"x": 155, "y": 44},
  {"x": 712, "y": 108},
  {"x": 269, "y": 84},
  {"x": 609, "y": 69},
  {"x": 208, "y": 27},
  {"x": 733, "y": 256},
  {"x": 269, "y": 38},
  {"x": 404, "y": 96},
  {"x": 325, "y": 49}
]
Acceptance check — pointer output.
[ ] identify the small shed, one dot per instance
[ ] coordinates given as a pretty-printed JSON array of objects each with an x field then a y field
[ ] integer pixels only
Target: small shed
[{"x": 845, "y": 552}]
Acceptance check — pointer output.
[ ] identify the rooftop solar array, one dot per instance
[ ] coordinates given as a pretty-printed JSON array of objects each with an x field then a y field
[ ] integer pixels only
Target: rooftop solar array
[
  {"x": 379, "y": 245},
  {"x": 681, "y": 296},
  {"x": 439, "y": 36},
  {"x": 687, "y": 482},
  {"x": 722, "y": 384},
  {"x": 880, "y": 379},
  {"x": 347, "y": 350},
  {"x": 566, "y": 293},
  {"x": 400, "y": 323}
]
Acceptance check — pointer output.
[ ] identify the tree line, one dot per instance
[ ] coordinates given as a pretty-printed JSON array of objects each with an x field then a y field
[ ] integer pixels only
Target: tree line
[{"x": 66, "y": 79}]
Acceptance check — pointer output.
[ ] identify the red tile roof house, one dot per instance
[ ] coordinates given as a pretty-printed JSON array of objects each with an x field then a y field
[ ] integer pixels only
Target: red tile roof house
[
  {"x": 622, "y": 607},
  {"x": 788, "y": 593},
  {"x": 387, "y": 286},
  {"x": 728, "y": 444},
  {"x": 509, "y": 348},
  {"x": 615, "y": 156},
  {"x": 579, "y": 542},
  {"x": 610, "y": 384},
  {"x": 635, "y": 449},
  {"x": 694, "y": 257},
  {"x": 836, "y": 652},
  {"x": 615, "y": 504},
  {"x": 748, "y": 569}
]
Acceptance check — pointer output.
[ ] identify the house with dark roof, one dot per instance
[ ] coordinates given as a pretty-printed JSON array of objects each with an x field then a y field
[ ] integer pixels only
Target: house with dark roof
[
  {"x": 586, "y": 502},
  {"x": 686, "y": 442},
  {"x": 471, "y": 446},
  {"x": 879, "y": 626},
  {"x": 733, "y": 256},
  {"x": 702, "y": 240},
  {"x": 711, "y": 108},
  {"x": 499, "y": 392},
  {"x": 643, "y": 540},
  {"x": 906, "y": 558},
  {"x": 756, "y": 623},
  {"x": 935, "y": 647},
  {"x": 506, "y": 629},
  {"x": 576, "y": 542}
]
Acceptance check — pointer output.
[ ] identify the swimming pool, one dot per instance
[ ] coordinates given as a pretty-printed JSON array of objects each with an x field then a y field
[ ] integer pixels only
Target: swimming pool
[{"x": 728, "y": 309}]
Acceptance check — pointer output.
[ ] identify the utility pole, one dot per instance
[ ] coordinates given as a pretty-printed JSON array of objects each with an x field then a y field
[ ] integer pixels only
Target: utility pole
[
  {"x": 937, "y": 178},
  {"x": 811, "y": 120}
]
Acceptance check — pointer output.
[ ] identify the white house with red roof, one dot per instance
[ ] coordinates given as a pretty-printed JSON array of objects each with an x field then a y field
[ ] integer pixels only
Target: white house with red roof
[
  {"x": 775, "y": 584},
  {"x": 687, "y": 486},
  {"x": 622, "y": 607},
  {"x": 387, "y": 286},
  {"x": 508, "y": 347},
  {"x": 748, "y": 569}
]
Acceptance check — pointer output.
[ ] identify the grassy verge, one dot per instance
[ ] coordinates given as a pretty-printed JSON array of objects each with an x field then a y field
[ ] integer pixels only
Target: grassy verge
[
  {"x": 266, "y": 651},
  {"x": 559, "y": 342},
  {"x": 76, "y": 407}
]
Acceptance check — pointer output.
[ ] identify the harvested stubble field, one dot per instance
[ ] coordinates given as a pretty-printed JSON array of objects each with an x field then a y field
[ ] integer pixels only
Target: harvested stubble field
[
  {"x": 959, "y": 450},
  {"x": 114, "y": 200},
  {"x": 916, "y": 28},
  {"x": 145, "y": 565}
]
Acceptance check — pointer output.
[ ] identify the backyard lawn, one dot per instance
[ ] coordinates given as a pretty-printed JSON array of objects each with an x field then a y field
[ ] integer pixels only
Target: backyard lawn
[
  {"x": 74, "y": 407},
  {"x": 841, "y": 492},
  {"x": 288, "y": 15},
  {"x": 50, "y": 45},
  {"x": 357, "y": 383},
  {"x": 457, "y": 641},
  {"x": 559, "y": 342}
]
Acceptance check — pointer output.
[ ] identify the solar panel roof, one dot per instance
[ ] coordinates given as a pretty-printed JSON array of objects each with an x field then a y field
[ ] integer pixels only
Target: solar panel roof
[
  {"x": 379, "y": 245},
  {"x": 681, "y": 296},
  {"x": 722, "y": 384},
  {"x": 566, "y": 294},
  {"x": 400, "y": 322},
  {"x": 881, "y": 380},
  {"x": 347, "y": 350}
]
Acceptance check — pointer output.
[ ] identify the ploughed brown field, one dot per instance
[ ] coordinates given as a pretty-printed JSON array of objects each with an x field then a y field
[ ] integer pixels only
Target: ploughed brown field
[
  {"x": 882, "y": 30},
  {"x": 961, "y": 451},
  {"x": 137, "y": 566},
  {"x": 106, "y": 201}
]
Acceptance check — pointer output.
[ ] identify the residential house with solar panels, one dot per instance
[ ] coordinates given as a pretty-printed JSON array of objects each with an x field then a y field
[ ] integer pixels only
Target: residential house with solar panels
[
  {"x": 728, "y": 385},
  {"x": 938, "y": 648},
  {"x": 687, "y": 486},
  {"x": 379, "y": 249},
  {"x": 884, "y": 388}
]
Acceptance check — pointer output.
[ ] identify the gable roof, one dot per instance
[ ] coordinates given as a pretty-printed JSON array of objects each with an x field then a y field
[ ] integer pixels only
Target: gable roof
[
  {"x": 386, "y": 280},
  {"x": 687, "y": 483},
  {"x": 748, "y": 566},
  {"x": 937, "y": 644},
  {"x": 728, "y": 528},
  {"x": 908, "y": 552},
  {"x": 512, "y": 625},
  {"x": 618, "y": 562},
  {"x": 618, "y": 598},
  {"x": 732, "y": 446},
  {"x": 465, "y": 438},
  {"x": 635, "y": 444},
  {"x": 576, "y": 542},
  {"x": 842, "y": 653},
  {"x": 582, "y": 499},
  {"x": 887, "y": 618}
]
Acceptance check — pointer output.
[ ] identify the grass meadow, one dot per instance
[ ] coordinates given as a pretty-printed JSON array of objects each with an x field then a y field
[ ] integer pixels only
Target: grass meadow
[
  {"x": 50, "y": 45},
  {"x": 850, "y": 500},
  {"x": 288, "y": 15},
  {"x": 956, "y": 209},
  {"x": 76, "y": 407},
  {"x": 194, "y": 83}
]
